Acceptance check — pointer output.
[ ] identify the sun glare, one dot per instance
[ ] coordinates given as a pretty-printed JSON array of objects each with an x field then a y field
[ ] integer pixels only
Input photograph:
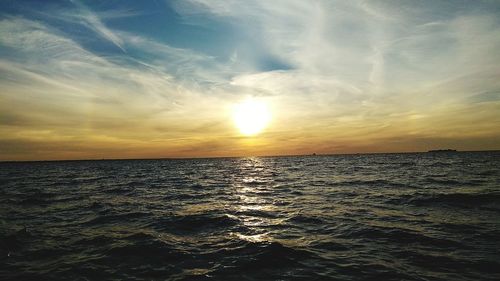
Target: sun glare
[{"x": 251, "y": 116}]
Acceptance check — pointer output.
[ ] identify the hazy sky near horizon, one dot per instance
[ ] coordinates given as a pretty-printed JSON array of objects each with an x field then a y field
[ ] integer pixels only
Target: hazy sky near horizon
[{"x": 133, "y": 79}]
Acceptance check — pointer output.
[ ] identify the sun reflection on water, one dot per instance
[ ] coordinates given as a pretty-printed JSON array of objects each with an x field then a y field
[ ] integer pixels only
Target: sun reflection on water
[{"x": 254, "y": 208}]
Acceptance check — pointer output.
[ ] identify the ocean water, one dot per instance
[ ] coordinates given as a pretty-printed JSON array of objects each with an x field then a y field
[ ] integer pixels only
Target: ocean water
[{"x": 422, "y": 216}]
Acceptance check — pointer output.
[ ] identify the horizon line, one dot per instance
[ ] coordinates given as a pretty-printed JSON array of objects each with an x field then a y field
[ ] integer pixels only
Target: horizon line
[{"x": 248, "y": 156}]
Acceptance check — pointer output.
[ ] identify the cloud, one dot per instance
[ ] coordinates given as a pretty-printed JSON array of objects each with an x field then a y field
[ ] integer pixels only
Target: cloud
[
  {"x": 92, "y": 21},
  {"x": 338, "y": 75},
  {"x": 368, "y": 64},
  {"x": 379, "y": 48},
  {"x": 52, "y": 85}
]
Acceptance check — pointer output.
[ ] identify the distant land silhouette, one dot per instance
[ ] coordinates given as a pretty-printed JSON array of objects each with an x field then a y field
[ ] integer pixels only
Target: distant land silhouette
[{"x": 443, "y": 150}]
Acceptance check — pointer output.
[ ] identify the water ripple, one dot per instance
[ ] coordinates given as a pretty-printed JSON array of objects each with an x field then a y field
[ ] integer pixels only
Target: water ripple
[{"x": 352, "y": 217}]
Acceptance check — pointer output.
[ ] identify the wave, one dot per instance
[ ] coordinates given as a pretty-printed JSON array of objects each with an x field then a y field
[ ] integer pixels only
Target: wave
[
  {"x": 398, "y": 236},
  {"x": 369, "y": 183},
  {"x": 448, "y": 262},
  {"x": 330, "y": 246},
  {"x": 260, "y": 255},
  {"x": 363, "y": 217},
  {"x": 194, "y": 223},
  {"x": 34, "y": 201},
  {"x": 458, "y": 199},
  {"x": 257, "y": 213},
  {"x": 10, "y": 243},
  {"x": 115, "y": 218},
  {"x": 302, "y": 219},
  {"x": 146, "y": 248},
  {"x": 445, "y": 181}
]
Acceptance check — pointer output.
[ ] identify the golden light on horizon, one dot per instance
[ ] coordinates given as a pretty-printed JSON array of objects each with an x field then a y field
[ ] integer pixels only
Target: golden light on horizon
[{"x": 251, "y": 116}]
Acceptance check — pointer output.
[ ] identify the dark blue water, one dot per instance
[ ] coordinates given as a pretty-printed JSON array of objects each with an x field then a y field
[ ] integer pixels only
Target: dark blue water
[{"x": 427, "y": 216}]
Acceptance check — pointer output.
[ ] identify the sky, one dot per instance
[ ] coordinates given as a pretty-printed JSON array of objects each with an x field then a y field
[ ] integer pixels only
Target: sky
[{"x": 154, "y": 79}]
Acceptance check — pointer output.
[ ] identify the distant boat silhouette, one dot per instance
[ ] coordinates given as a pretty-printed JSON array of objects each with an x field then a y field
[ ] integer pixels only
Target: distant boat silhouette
[{"x": 443, "y": 150}]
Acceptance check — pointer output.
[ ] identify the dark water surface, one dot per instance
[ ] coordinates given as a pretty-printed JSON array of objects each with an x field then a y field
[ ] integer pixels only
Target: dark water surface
[{"x": 427, "y": 216}]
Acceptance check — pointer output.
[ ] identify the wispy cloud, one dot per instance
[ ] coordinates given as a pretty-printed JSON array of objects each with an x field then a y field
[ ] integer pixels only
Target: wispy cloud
[
  {"x": 70, "y": 93},
  {"x": 367, "y": 60},
  {"x": 338, "y": 75},
  {"x": 92, "y": 21}
]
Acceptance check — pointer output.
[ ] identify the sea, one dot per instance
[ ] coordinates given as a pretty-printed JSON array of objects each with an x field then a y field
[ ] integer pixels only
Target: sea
[{"x": 409, "y": 216}]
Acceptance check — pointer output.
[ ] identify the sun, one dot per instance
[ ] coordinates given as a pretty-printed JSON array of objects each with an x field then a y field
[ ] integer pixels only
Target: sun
[{"x": 251, "y": 116}]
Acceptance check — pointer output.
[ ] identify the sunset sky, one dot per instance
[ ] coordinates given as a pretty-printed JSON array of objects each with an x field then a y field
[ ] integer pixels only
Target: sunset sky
[{"x": 153, "y": 79}]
